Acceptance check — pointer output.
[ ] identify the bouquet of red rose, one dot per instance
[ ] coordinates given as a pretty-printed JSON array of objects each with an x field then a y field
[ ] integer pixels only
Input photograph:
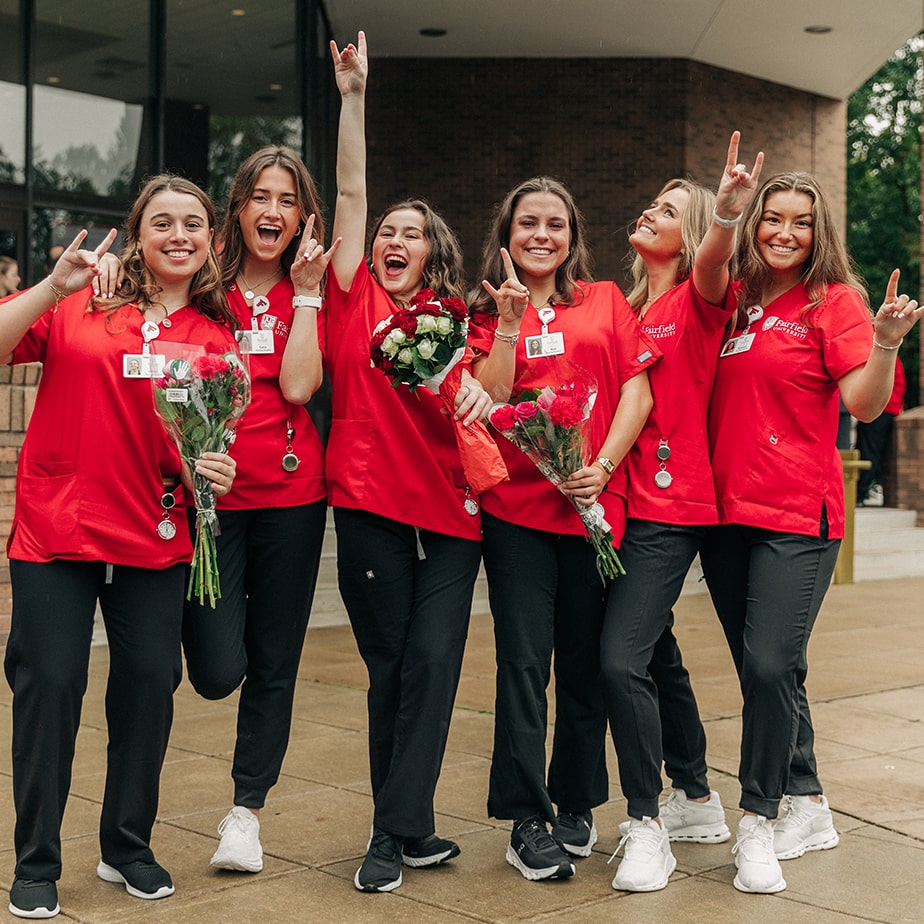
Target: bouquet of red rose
[
  {"x": 423, "y": 344},
  {"x": 200, "y": 399},
  {"x": 548, "y": 425}
]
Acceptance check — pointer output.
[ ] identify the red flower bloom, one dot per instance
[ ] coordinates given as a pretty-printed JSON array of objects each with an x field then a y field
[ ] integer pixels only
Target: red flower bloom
[
  {"x": 564, "y": 412},
  {"x": 526, "y": 410},
  {"x": 503, "y": 417}
]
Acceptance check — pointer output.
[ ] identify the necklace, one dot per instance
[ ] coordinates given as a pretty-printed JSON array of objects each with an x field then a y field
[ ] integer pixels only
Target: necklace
[{"x": 249, "y": 289}]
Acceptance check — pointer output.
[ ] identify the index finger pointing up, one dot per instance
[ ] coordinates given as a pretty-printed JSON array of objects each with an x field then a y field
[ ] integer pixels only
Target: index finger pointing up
[{"x": 509, "y": 268}]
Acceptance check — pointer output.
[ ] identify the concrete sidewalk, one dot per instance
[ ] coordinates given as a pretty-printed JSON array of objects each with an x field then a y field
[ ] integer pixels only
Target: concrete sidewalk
[{"x": 866, "y": 683}]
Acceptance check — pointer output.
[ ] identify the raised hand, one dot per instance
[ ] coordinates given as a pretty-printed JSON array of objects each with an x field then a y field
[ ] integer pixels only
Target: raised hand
[
  {"x": 737, "y": 186},
  {"x": 351, "y": 66},
  {"x": 512, "y": 297},
  {"x": 77, "y": 267},
  {"x": 896, "y": 316},
  {"x": 311, "y": 260}
]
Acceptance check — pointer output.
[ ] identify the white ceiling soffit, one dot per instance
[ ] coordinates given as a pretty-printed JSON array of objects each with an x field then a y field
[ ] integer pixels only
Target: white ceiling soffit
[{"x": 762, "y": 38}]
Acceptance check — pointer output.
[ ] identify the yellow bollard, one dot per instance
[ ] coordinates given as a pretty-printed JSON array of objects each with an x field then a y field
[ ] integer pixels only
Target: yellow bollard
[{"x": 850, "y": 458}]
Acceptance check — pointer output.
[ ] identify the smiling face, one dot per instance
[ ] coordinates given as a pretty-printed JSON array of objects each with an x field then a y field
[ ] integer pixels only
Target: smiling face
[
  {"x": 400, "y": 250},
  {"x": 540, "y": 235},
  {"x": 785, "y": 233},
  {"x": 174, "y": 236},
  {"x": 658, "y": 231},
  {"x": 271, "y": 216}
]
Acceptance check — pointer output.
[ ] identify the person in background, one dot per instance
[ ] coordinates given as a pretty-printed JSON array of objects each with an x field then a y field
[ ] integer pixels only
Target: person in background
[
  {"x": 52, "y": 255},
  {"x": 546, "y": 595},
  {"x": 683, "y": 242},
  {"x": 803, "y": 338},
  {"x": 97, "y": 476},
  {"x": 874, "y": 439},
  {"x": 9, "y": 276},
  {"x": 408, "y": 528},
  {"x": 272, "y": 524}
]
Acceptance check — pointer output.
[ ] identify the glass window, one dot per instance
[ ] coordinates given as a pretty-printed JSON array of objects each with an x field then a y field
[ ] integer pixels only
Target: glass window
[
  {"x": 91, "y": 81},
  {"x": 12, "y": 96},
  {"x": 241, "y": 95}
]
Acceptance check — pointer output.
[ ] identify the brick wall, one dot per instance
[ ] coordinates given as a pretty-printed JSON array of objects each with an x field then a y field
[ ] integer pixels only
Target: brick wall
[
  {"x": 462, "y": 132},
  {"x": 18, "y": 386},
  {"x": 903, "y": 478}
]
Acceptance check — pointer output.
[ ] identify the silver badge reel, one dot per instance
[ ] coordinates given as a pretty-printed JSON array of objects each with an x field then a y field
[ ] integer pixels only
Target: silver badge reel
[
  {"x": 290, "y": 461},
  {"x": 663, "y": 477},
  {"x": 166, "y": 529}
]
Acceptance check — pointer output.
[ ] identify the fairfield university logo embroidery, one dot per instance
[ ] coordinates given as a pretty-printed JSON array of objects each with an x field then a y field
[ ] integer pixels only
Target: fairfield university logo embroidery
[{"x": 792, "y": 328}]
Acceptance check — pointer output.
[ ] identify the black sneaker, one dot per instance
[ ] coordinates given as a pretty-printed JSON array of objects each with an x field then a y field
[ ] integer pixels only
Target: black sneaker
[
  {"x": 428, "y": 851},
  {"x": 381, "y": 870},
  {"x": 535, "y": 854},
  {"x": 34, "y": 898},
  {"x": 576, "y": 832},
  {"x": 141, "y": 878}
]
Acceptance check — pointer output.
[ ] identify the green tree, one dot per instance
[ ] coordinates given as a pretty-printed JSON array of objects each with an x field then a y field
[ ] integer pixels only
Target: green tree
[{"x": 884, "y": 184}]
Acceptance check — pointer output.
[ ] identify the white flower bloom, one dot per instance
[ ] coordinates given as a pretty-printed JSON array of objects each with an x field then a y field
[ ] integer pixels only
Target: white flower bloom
[
  {"x": 406, "y": 356},
  {"x": 443, "y": 326},
  {"x": 426, "y": 324},
  {"x": 426, "y": 348}
]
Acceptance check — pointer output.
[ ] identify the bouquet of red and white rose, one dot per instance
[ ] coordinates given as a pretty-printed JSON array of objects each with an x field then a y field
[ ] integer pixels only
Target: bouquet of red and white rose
[
  {"x": 200, "y": 398},
  {"x": 548, "y": 425},
  {"x": 424, "y": 344}
]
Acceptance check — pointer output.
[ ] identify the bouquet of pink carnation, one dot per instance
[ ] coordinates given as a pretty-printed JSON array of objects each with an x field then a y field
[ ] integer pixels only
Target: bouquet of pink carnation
[
  {"x": 200, "y": 399},
  {"x": 548, "y": 425},
  {"x": 424, "y": 344}
]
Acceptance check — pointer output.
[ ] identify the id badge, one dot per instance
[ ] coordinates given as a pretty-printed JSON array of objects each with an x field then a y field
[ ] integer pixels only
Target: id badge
[
  {"x": 142, "y": 365},
  {"x": 256, "y": 341},
  {"x": 545, "y": 345},
  {"x": 738, "y": 345}
]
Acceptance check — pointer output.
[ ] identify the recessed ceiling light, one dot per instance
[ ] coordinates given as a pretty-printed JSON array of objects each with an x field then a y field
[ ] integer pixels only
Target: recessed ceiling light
[
  {"x": 817, "y": 30},
  {"x": 275, "y": 86},
  {"x": 433, "y": 32},
  {"x": 54, "y": 80},
  {"x": 238, "y": 12}
]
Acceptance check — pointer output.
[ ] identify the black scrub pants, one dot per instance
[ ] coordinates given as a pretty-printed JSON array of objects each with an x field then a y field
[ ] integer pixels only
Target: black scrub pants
[
  {"x": 46, "y": 665},
  {"x": 408, "y": 594},
  {"x": 546, "y": 596}
]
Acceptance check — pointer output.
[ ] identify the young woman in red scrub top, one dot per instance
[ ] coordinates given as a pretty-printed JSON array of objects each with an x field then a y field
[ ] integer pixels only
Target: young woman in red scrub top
[
  {"x": 544, "y": 588},
  {"x": 408, "y": 530},
  {"x": 272, "y": 523},
  {"x": 97, "y": 475},
  {"x": 683, "y": 242},
  {"x": 804, "y": 336}
]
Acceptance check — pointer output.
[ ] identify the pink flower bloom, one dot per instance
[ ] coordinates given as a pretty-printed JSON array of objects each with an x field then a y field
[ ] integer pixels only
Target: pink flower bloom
[{"x": 526, "y": 410}]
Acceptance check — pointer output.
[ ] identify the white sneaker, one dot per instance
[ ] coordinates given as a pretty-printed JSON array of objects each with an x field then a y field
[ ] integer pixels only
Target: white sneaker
[
  {"x": 758, "y": 868},
  {"x": 805, "y": 825},
  {"x": 239, "y": 847},
  {"x": 686, "y": 820},
  {"x": 647, "y": 861}
]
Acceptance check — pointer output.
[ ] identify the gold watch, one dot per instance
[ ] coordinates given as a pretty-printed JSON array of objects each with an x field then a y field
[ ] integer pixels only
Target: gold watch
[{"x": 607, "y": 465}]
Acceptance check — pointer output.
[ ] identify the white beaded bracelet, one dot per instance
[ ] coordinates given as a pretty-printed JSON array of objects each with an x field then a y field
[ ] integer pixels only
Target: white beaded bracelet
[{"x": 726, "y": 222}]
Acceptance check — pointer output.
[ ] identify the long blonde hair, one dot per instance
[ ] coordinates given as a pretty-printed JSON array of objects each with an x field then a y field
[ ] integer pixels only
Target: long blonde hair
[
  {"x": 828, "y": 263},
  {"x": 694, "y": 223}
]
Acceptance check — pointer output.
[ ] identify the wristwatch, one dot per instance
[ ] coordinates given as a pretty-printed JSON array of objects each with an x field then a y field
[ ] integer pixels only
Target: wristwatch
[{"x": 607, "y": 465}]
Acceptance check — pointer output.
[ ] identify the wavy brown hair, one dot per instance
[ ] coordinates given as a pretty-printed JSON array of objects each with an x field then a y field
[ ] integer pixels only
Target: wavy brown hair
[
  {"x": 206, "y": 293},
  {"x": 443, "y": 272},
  {"x": 577, "y": 266},
  {"x": 242, "y": 187},
  {"x": 829, "y": 262},
  {"x": 694, "y": 223}
]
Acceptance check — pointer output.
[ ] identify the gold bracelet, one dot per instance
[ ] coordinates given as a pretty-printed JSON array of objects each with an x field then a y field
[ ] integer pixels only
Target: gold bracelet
[
  {"x": 512, "y": 339},
  {"x": 882, "y": 346},
  {"x": 57, "y": 292}
]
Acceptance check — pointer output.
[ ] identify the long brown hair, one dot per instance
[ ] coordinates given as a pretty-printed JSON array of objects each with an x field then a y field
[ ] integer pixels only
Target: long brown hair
[
  {"x": 577, "y": 266},
  {"x": 829, "y": 262},
  {"x": 206, "y": 293},
  {"x": 694, "y": 223},
  {"x": 443, "y": 272},
  {"x": 242, "y": 187}
]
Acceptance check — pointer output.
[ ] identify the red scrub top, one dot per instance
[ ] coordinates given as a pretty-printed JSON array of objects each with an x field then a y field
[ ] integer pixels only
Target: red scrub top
[
  {"x": 96, "y": 456},
  {"x": 261, "y": 442},
  {"x": 391, "y": 451},
  {"x": 773, "y": 419},
  {"x": 689, "y": 331},
  {"x": 601, "y": 334}
]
